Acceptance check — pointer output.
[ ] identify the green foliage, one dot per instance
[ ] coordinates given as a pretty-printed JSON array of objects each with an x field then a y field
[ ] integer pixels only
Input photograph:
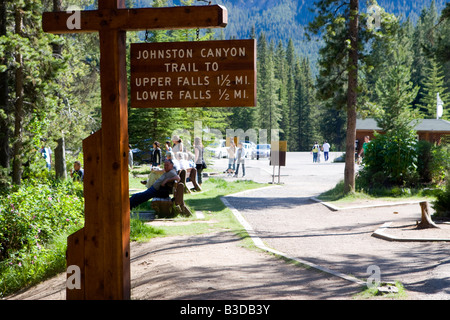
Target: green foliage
[
  {"x": 395, "y": 93},
  {"x": 31, "y": 215},
  {"x": 391, "y": 159},
  {"x": 432, "y": 84},
  {"x": 442, "y": 203},
  {"x": 35, "y": 220},
  {"x": 433, "y": 162},
  {"x": 139, "y": 231}
]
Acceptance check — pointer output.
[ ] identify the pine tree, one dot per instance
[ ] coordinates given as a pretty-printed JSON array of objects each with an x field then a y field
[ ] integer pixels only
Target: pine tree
[
  {"x": 395, "y": 93},
  {"x": 268, "y": 113},
  {"x": 305, "y": 124},
  {"x": 424, "y": 35},
  {"x": 432, "y": 84}
]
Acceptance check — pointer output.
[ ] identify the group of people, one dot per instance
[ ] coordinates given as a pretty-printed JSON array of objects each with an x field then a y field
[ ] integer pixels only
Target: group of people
[
  {"x": 180, "y": 156},
  {"x": 316, "y": 149},
  {"x": 177, "y": 157},
  {"x": 236, "y": 158}
]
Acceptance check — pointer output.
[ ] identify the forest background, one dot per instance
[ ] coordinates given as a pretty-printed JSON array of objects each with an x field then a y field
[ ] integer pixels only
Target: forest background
[{"x": 50, "y": 92}]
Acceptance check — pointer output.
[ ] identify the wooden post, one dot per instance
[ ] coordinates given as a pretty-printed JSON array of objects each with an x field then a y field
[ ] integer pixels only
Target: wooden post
[{"x": 102, "y": 248}]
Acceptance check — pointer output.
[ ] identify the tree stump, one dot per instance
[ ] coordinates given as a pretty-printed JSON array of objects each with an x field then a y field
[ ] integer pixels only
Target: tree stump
[{"x": 426, "y": 221}]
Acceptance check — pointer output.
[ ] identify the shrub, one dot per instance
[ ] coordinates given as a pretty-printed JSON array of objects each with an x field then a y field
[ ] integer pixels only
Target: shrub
[
  {"x": 433, "y": 162},
  {"x": 391, "y": 159},
  {"x": 442, "y": 203},
  {"x": 35, "y": 212}
]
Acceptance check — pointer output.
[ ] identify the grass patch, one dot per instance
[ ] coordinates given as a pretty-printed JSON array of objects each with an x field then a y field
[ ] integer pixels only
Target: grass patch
[
  {"x": 140, "y": 232},
  {"x": 372, "y": 293},
  {"x": 209, "y": 202},
  {"x": 337, "y": 195}
]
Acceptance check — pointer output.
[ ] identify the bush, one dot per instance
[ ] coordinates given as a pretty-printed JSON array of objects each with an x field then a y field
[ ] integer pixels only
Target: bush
[
  {"x": 391, "y": 159},
  {"x": 442, "y": 203},
  {"x": 433, "y": 162},
  {"x": 35, "y": 212}
]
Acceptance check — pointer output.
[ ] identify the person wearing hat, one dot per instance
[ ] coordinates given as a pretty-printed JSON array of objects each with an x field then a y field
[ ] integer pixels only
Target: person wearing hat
[{"x": 177, "y": 145}]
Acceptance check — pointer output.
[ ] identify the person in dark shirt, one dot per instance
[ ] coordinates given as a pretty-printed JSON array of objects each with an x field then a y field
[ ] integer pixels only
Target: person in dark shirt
[{"x": 77, "y": 173}]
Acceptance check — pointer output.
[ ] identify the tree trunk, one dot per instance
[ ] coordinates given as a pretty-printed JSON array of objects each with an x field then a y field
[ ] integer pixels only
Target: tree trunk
[
  {"x": 349, "y": 172},
  {"x": 60, "y": 156},
  {"x": 4, "y": 103},
  {"x": 60, "y": 159},
  {"x": 426, "y": 221},
  {"x": 18, "y": 107}
]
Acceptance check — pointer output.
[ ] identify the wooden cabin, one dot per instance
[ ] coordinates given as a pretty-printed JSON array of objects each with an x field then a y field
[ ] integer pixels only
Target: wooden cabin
[{"x": 432, "y": 130}]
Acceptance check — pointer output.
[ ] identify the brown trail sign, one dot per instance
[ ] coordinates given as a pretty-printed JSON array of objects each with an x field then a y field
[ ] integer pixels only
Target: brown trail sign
[
  {"x": 193, "y": 74},
  {"x": 101, "y": 249}
]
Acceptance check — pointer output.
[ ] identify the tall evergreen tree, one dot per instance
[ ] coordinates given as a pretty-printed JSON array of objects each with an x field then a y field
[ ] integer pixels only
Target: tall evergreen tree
[
  {"x": 432, "y": 84},
  {"x": 341, "y": 55},
  {"x": 268, "y": 112},
  {"x": 395, "y": 93},
  {"x": 424, "y": 35},
  {"x": 304, "y": 124}
]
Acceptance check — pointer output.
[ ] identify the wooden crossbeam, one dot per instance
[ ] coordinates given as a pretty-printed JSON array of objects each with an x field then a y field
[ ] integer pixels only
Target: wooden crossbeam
[{"x": 185, "y": 17}]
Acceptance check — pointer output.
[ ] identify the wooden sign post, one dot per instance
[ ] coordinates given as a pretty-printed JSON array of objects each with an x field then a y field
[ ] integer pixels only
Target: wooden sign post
[
  {"x": 101, "y": 250},
  {"x": 278, "y": 151}
]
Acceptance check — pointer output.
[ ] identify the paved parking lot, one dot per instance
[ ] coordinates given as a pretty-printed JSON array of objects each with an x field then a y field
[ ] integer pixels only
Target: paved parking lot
[{"x": 286, "y": 219}]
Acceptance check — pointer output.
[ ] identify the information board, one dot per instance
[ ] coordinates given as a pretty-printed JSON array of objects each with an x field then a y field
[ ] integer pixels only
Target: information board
[
  {"x": 278, "y": 151},
  {"x": 219, "y": 73}
]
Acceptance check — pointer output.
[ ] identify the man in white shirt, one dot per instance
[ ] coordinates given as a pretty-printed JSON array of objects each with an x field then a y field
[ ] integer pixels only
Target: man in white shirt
[
  {"x": 326, "y": 150},
  {"x": 161, "y": 188}
]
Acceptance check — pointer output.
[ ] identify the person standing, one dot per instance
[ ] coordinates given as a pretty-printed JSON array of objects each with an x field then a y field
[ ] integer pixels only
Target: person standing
[
  {"x": 231, "y": 155},
  {"x": 130, "y": 156},
  {"x": 315, "y": 151},
  {"x": 177, "y": 145},
  {"x": 157, "y": 154},
  {"x": 240, "y": 160},
  {"x": 47, "y": 155},
  {"x": 326, "y": 150},
  {"x": 199, "y": 161},
  {"x": 363, "y": 149}
]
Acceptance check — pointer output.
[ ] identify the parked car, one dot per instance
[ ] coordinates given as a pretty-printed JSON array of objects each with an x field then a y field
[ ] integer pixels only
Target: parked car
[
  {"x": 142, "y": 152},
  {"x": 217, "y": 149},
  {"x": 248, "y": 147},
  {"x": 261, "y": 151}
]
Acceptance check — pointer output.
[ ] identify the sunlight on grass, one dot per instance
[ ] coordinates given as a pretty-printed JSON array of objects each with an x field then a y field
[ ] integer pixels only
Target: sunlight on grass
[{"x": 209, "y": 202}]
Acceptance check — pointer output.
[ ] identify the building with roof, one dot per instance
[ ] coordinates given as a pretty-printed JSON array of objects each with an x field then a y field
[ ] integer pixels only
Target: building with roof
[{"x": 432, "y": 130}]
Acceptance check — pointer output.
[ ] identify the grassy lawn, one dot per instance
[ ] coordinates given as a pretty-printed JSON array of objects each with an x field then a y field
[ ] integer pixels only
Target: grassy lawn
[{"x": 208, "y": 201}]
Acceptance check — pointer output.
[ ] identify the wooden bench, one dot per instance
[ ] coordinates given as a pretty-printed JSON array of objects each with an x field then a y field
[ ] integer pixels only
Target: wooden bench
[
  {"x": 171, "y": 207},
  {"x": 192, "y": 174}
]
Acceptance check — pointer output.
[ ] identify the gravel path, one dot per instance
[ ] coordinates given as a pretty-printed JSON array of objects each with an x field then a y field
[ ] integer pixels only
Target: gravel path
[
  {"x": 216, "y": 266},
  {"x": 286, "y": 219}
]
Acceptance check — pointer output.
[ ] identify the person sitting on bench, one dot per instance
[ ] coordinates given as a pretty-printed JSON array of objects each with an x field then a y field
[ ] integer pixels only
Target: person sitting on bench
[{"x": 161, "y": 188}]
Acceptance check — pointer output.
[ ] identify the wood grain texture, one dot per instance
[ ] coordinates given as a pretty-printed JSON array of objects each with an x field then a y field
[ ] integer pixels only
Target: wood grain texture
[{"x": 166, "y": 18}]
